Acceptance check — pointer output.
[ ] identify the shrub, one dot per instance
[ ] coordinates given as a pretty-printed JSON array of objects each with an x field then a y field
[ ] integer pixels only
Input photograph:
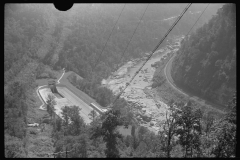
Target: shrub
[
  {"x": 52, "y": 75},
  {"x": 43, "y": 75},
  {"x": 46, "y": 116},
  {"x": 47, "y": 121},
  {"x": 146, "y": 118},
  {"x": 33, "y": 132}
]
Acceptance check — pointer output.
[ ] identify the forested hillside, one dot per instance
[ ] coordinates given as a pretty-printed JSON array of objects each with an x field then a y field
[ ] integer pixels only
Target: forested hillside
[
  {"x": 74, "y": 39},
  {"x": 39, "y": 41},
  {"x": 206, "y": 63}
]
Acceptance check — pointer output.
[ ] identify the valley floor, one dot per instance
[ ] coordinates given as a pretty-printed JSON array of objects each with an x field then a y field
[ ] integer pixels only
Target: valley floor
[
  {"x": 151, "y": 102},
  {"x": 146, "y": 105}
]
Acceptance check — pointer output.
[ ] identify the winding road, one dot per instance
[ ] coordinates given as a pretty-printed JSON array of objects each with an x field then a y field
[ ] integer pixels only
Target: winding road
[{"x": 167, "y": 73}]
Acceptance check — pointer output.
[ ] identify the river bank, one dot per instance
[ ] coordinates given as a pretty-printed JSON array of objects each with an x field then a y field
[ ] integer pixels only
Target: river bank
[{"x": 148, "y": 108}]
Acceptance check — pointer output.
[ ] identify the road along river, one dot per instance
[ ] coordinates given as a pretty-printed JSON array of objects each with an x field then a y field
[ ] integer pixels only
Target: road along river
[
  {"x": 167, "y": 73},
  {"x": 149, "y": 111},
  {"x": 146, "y": 106}
]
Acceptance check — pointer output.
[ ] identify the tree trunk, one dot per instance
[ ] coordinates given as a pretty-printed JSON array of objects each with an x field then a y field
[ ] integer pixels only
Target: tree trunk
[
  {"x": 51, "y": 115},
  {"x": 133, "y": 130},
  {"x": 54, "y": 124},
  {"x": 191, "y": 151},
  {"x": 187, "y": 151},
  {"x": 208, "y": 153},
  {"x": 168, "y": 146}
]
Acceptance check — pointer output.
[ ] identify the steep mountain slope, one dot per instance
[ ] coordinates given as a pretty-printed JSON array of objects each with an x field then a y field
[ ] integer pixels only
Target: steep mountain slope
[
  {"x": 206, "y": 63},
  {"x": 74, "y": 39}
]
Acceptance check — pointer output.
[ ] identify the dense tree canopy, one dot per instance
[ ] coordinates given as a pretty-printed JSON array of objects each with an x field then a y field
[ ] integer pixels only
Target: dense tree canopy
[
  {"x": 38, "y": 38},
  {"x": 206, "y": 63}
]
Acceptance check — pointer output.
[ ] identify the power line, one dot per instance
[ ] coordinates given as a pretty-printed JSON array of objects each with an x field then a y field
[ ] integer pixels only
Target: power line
[
  {"x": 108, "y": 38},
  {"x": 127, "y": 84},
  {"x": 197, "y": 20},
  {"x": 17, "y": 153},
  {"x": 134, "y": 33},
  {"x": 168, "y": 32},
  {"x": 60, "y": 152}
]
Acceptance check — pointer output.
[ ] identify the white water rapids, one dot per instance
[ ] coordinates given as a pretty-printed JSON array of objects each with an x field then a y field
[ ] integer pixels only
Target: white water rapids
[{"x": 146, "y": 105}]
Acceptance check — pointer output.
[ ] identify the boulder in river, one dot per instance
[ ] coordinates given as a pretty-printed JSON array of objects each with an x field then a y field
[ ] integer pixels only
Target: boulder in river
[
  {"x": 151, "y": 124},
  {"x": 146, "y": 118},
  {"x": 104, "y": 82},
  {"x": 144, "y": 110}
]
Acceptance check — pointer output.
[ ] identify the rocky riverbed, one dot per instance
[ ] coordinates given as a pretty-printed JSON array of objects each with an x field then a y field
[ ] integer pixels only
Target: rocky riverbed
[{"x": 149, "y": 111}]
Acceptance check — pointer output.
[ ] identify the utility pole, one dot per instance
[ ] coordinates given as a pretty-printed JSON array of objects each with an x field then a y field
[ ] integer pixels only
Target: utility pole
[
  {"x": 66, "y": 151},
  {"x": 76, "y": 151}
]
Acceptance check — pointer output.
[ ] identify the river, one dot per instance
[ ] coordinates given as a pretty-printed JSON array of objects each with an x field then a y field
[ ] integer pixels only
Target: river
[{"x": 146, "y": 105}]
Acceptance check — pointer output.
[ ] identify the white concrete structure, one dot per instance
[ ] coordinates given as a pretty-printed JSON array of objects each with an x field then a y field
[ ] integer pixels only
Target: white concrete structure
[
  {"x": 33, "y": 125},
  {"x": 41, "y": 107},
  {"x": 75, "y": 100},
  {"x": 97, "y": 108}
]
